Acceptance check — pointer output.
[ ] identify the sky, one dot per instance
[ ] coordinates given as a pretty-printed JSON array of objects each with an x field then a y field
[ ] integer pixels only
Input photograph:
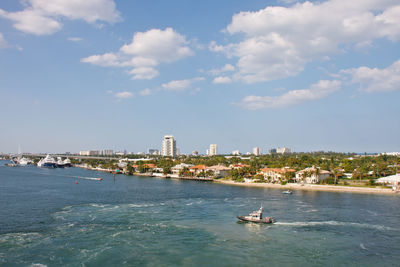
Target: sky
[{"x": 113, "y": 74}]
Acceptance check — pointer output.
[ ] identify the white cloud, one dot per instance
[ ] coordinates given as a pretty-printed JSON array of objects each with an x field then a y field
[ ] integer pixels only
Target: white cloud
[
  {"x": 225, "y": 68},
  {"x": 177, "y": 85},
  {"x": 146, "y": 51},
  {"x": 222, "y": 79},
  {"x": 180, "y": 85},
  {"x": 279, "y": 41},
  {"x": 105, "y": 60},
  {"x": 42, "y": 17},
  {"x": 74, "y": 39},
  {"x": 374, "y": 79},
  {"x": 123, "y": 95},
  {"x": 32, "y": 21},
  {"x": 3, "y": 42},
  {"x": 160, "y": 45},
  {"x": 316, "y": 91},
  {"x": 143, "y": 73},
  {"x": 90, "y": 11},
  {"x": 145, "y": 92}
]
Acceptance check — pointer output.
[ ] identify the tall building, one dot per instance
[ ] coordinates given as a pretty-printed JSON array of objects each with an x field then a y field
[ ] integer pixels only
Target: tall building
[
  {"x": 256, "y": 151},
  {"x": 213, "y": 150},
  {"x": 108, "y": 152},
  {"x": 168, "y": 148},
  {"x": 153, "y": 151},
  {"x": 283, "y": 150},
  {"x": 236, "y": 152}
]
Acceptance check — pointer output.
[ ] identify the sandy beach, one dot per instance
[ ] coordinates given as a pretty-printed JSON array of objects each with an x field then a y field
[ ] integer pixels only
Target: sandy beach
[{"x": 314, "y": 187}]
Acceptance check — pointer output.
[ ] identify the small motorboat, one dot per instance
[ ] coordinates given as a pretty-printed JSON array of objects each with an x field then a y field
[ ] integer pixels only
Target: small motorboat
[
  {"x": 256, "y": 217},
  {"x": 287, "y": 192}
]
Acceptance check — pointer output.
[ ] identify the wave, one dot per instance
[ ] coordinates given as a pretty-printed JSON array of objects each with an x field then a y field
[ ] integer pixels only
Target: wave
[
  {"x": 19, "y": 238},
  {"x": 336, "y": 223}
]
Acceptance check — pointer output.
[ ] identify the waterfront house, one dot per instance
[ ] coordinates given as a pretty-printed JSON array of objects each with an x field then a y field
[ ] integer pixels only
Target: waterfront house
[
  {"x": 238, "y": 166},
  {"x": 277, "y": 174},
  {"x": 311, "y": 175},
  {"x": 197, "y": 169},
  {"x": 177, "y": 168},
  {"x": 219, "y": 170}
]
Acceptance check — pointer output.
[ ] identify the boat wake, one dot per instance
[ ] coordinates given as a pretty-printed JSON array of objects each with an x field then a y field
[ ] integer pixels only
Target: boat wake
[{"x": 336, "y": 223}]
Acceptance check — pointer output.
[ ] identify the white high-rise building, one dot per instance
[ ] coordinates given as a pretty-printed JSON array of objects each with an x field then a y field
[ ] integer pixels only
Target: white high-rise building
[
  {"x": 283, "y": 150},
  {"x": 256, "y": 151},
  {"x": 213, "y": 150},
  {"x": 168, "y": 148},
  {"x": 236, "y": 152}
]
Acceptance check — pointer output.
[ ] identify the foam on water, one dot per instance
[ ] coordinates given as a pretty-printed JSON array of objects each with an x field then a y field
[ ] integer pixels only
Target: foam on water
[{"x": 336, "y": 223}]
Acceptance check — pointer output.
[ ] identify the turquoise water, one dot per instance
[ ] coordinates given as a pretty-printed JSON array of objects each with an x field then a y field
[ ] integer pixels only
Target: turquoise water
[{"x": 48, "y": 219}]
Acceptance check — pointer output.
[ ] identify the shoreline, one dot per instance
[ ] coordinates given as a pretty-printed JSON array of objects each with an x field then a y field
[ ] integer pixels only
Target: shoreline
[
  {"x": 314, "y": 187},
  {"x": 305, "y": 187}
]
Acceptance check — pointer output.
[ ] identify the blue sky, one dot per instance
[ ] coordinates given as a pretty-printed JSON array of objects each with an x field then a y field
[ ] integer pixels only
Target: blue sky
[{"x": 104, "y": 74}]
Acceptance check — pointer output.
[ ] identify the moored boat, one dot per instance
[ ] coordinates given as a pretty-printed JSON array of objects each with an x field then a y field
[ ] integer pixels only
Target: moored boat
[
  {"x": 47, "y": 162},
  {"x": 256, "y": 217},
  {"x": 60, "y": 163},
  {"x": 67, "y": 162}
]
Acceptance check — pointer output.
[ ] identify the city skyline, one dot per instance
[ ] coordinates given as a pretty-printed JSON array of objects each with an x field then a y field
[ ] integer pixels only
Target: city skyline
[{"x": 311, "y": 76}]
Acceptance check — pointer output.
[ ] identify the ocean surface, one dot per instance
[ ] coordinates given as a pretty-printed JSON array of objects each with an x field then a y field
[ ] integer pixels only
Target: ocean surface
[{"x": 47, "y": 219}]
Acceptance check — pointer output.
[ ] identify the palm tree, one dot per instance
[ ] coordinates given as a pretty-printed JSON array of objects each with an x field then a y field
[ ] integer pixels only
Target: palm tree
[{"x": 336, "y": 173}]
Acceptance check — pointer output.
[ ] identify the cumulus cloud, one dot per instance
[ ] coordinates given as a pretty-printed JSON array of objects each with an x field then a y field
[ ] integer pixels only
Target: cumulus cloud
[
  {"x": 222, "y": 79},
  {"x": 180, "y": 85},
  {"x": 145, "y": 92},
  {"x": 316, "y": 91},
  {"x": 146, "y": 51},
  {"x": 3, "y": 42},
  {"x": 279, "y": 41},
  {"x": 143, "y": 73},
  {"x": 42, "y": 17},
  {"x": 160, "y": 45},
  {"x": 225, "y": 68},
  {"x": 374, "y": 79},
  {"x": 123, "y": 95}
]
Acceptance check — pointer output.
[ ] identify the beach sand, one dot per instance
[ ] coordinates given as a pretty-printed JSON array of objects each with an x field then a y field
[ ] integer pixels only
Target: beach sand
[{"x": 314, "y": 187}]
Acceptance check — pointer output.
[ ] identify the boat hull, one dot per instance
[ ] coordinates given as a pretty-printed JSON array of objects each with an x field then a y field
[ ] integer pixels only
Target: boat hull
[
  {"x": 264, "y": 220},
  {"x": 49, "y": 165}
]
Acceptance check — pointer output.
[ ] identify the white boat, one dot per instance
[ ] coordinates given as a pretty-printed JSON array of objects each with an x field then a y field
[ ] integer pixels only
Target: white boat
[
  {"x": 67, "y": 162},
  {"x": 19, "y": 161},
  {"x": 256, "y": 217},
  {"x": 60, "y": 163},
  {"x": 287, "y": 192},
  {"x": 23, "y": 161},
  {"x": 47, "y": 162}
]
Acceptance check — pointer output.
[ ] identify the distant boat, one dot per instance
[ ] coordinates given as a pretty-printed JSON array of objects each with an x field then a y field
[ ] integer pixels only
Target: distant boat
[
  {"x": 60, "y": 163},
  {"x": 287, "y": 192},
  {"x": 67, "y": 162},
  {"x": 256, "y": 217},
  {"x": 47, "y": 162},
  {"x": 19, "y": 161}
]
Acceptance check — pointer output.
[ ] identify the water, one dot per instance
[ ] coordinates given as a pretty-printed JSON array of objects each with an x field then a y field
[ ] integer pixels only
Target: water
[{"x": 48, "y": 220}]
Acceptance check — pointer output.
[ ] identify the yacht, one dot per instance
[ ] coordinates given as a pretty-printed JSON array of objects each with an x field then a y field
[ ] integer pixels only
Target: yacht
[
  {"x": 60, "y": 163},
  {"x": 67, "y": 162},
  {"x": 47, "y": 162},
  {"x": 23, "y": 161},
  {"x": 20, "y": 161}
]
